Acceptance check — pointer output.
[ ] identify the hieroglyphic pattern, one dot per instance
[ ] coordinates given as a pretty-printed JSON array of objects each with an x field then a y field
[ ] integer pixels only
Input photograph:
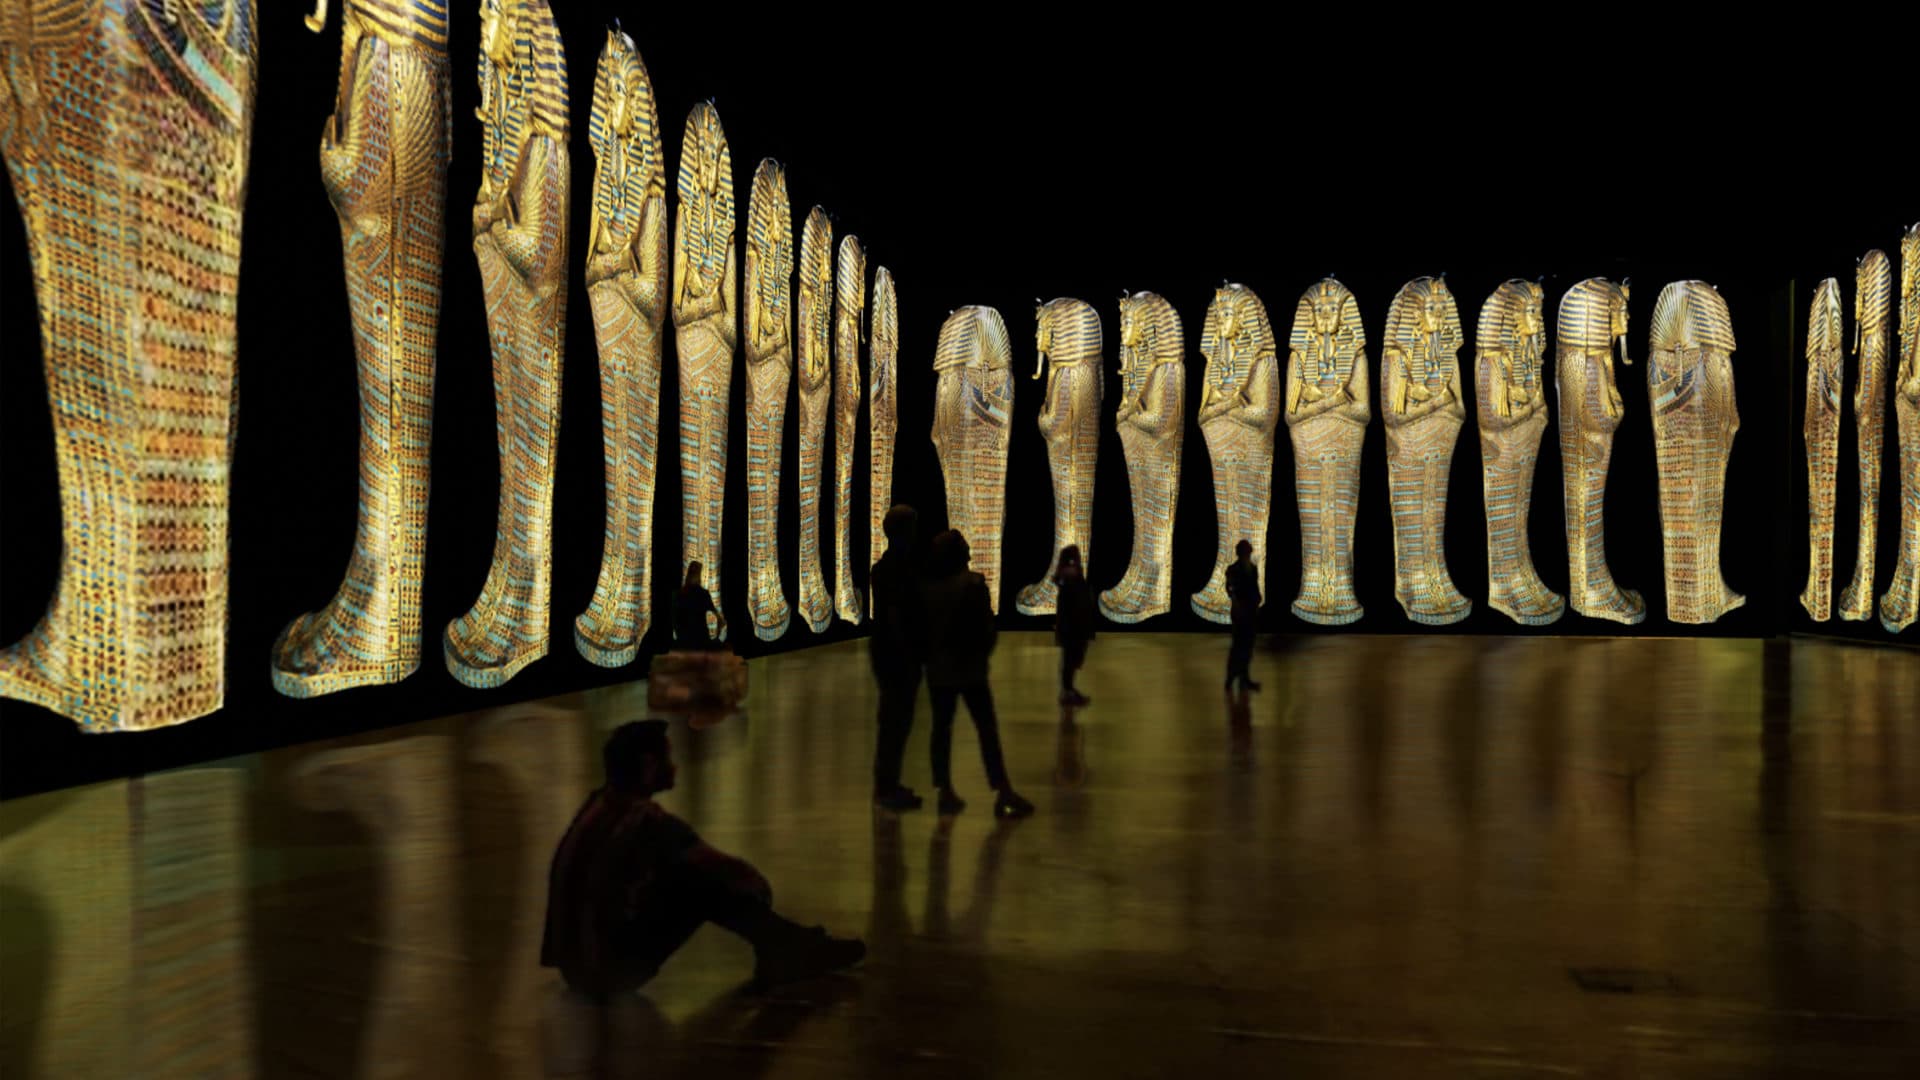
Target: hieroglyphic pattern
[
  {"x": 972, "y": 410},
  {"x": 383, "y": 160},
  {"x": 1152, "y": 420},
  {"x": 1420, "y": 403},
  {"x": 520, "y": 241},
  {"x": 849, "y": 305},
  {"x": 816, "y": 391},
  {"x": 1897, "y": 606},
  {"x": 1239, "y": 411},
  {"x": 1511, "y": 404},
  {"x": 125, "y": 128},
  {"x": 704, "y": 299},
  {"x": 767, "y": 320},
  {"x": 1826, "y": 360},
  {"x": 1067, "y": 337},
  {"x": 1872, "y": 299},
  {"x": 1695, "y": 417},
  {"x": 883, "y": 411},
  {"x": 627, "y": 290},
  {"x": 1327, "y": 412},
  {"x": 1593, "y": 315}
]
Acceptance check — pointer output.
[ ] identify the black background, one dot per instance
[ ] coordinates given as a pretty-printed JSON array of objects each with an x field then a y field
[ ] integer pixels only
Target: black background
[{"x": 997, "y": 161}]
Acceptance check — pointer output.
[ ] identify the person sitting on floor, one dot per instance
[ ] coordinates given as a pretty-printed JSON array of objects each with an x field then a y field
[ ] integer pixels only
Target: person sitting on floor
[{"x": 630, "y": 884}]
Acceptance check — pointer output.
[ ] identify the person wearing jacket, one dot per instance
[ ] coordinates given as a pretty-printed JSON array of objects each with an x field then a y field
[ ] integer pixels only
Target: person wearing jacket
[{"x": 960, "y": 637}]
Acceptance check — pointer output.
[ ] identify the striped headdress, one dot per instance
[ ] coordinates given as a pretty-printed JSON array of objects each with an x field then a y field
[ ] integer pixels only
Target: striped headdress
[
  {"x": 1691, "y": 315},
  {"x": 1826, "y": 328},
  {"x": 1586, "y": 314},
  {"x": 1872, "y": 291},
  {"x": 1404, "y": 327},
  {"x": 770, "y": 237},
  {"x": 1251, "y": 326},
  {"x": 620, "y": 194},
  {"x": 1073, "y": 329},
  {"x": 1160, "y": 339},
  {"x": 816, "y": 283},
  {"x": 850, "y": 275},
  {"x": 885, "y": 331},
  {"x": 530, "y": 97},
  {"x": 974, "y": 337},
  {"x": 1499, "y": 330},
  {"x": 708, "y": 207},
  {"x": 1349, "y": 333}
]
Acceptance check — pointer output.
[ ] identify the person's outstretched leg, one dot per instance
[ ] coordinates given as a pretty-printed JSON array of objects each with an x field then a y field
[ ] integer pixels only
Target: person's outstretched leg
[
  {"x": 784, "y": 951},
  {"x": 1007, "y": 803}
]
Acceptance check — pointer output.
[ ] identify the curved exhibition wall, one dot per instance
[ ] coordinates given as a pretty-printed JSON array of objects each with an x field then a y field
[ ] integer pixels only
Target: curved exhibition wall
[{"x": 493, "y": 356}]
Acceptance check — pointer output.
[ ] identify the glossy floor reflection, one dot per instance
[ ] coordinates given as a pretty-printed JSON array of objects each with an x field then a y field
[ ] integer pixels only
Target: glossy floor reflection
[{"x": 1408, "y": 856}]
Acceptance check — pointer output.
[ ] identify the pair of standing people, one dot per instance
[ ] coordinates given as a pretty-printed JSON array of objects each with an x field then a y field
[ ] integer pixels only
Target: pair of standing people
[{"x": 936, "y": 623}]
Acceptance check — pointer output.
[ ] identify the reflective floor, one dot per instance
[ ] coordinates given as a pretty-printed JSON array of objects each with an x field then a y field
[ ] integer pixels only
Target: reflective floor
[{"x": 1446, "y": 856}]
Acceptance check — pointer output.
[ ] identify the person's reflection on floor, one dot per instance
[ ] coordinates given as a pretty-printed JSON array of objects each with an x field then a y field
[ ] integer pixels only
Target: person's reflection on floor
[
  {"x": 630, "y": 884},
  {"x": 1070, "y": 763}
]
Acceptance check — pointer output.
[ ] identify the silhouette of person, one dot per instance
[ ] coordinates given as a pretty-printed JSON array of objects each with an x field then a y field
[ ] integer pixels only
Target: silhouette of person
[
  {"x": 896, "y": 649},
  {"x": 630, "y": 884},
  {"x": 960, "y": 636},
  {"x": 690, "y": 610},
  {"x": 1243, "y": 589},
  {"x": 1073, "y": 625}
]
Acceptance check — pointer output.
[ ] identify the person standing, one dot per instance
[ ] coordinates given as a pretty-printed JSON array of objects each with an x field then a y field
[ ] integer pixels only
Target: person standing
[
  {"x": 896, "y": 650},
  {"x": 1073, "y": 625},
  {"x": 960, "y": 637},
  {"x": 1243, "y": 590}
]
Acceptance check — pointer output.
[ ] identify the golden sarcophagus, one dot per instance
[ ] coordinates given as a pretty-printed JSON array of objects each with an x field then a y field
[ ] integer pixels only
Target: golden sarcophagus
[
  {"x": 1239, "y": 410},
  {"x": 883, "y": 411},
  {"x": 1420, "y": 402},
  {"x": 767, "y": 321},
  {"x": 1826, "y": 374},
  {"x": 1511, "y": 405},
  {"x": 125, "y": 129},
  {"x": 1327, "y": 412},
  {"x": 383, "y": 160},
  {"x": 1897, "y": 606},
  {"x": 1872, "y": 297},
  {"x": 1152, "y": 421},
  {"x": 1690, "y": 384},
  {"x": 704, "y": 298},
  {"x": 1067, "y": 340},
  {"x": 816, "y": 393},
  {"x": 849, "y": 305},
  {"x": 520, "y": 241},
  {"x": 972, "y": 408},
  {"x": 626, "y": 276},
  {"x": 1593, "y": 316}
]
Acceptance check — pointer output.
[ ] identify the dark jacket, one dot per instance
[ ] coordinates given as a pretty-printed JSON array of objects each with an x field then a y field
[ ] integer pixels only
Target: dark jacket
[
  {"x": 1073, "y": 619},
  {"x": 1243, "y": 587},
  {"x": 690, "y": 608},
  {"x": 898, "y": 646},
  {"x": 960, "y": 630}
]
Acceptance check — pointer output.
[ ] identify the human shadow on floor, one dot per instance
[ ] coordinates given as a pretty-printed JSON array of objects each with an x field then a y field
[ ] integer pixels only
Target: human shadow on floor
[{"x": 739, "y": 1033}]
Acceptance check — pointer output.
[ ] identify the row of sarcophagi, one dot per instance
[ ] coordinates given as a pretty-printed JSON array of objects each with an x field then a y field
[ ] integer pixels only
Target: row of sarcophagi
[
  {"x": 126, "y": 131},
  {"x": 137, "y": 107},
  {"x": 1825, "y": 404}
]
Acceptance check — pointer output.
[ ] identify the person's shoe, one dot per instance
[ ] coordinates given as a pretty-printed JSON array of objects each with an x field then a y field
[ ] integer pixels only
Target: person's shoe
[
  {"x": 808, "y": 954},
  {"x": 951, "y": 803},
  {"x": 1074, "y": 697},
  {"x": 1009, "y": 804},
  {"x": 900, "y": 799}
]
